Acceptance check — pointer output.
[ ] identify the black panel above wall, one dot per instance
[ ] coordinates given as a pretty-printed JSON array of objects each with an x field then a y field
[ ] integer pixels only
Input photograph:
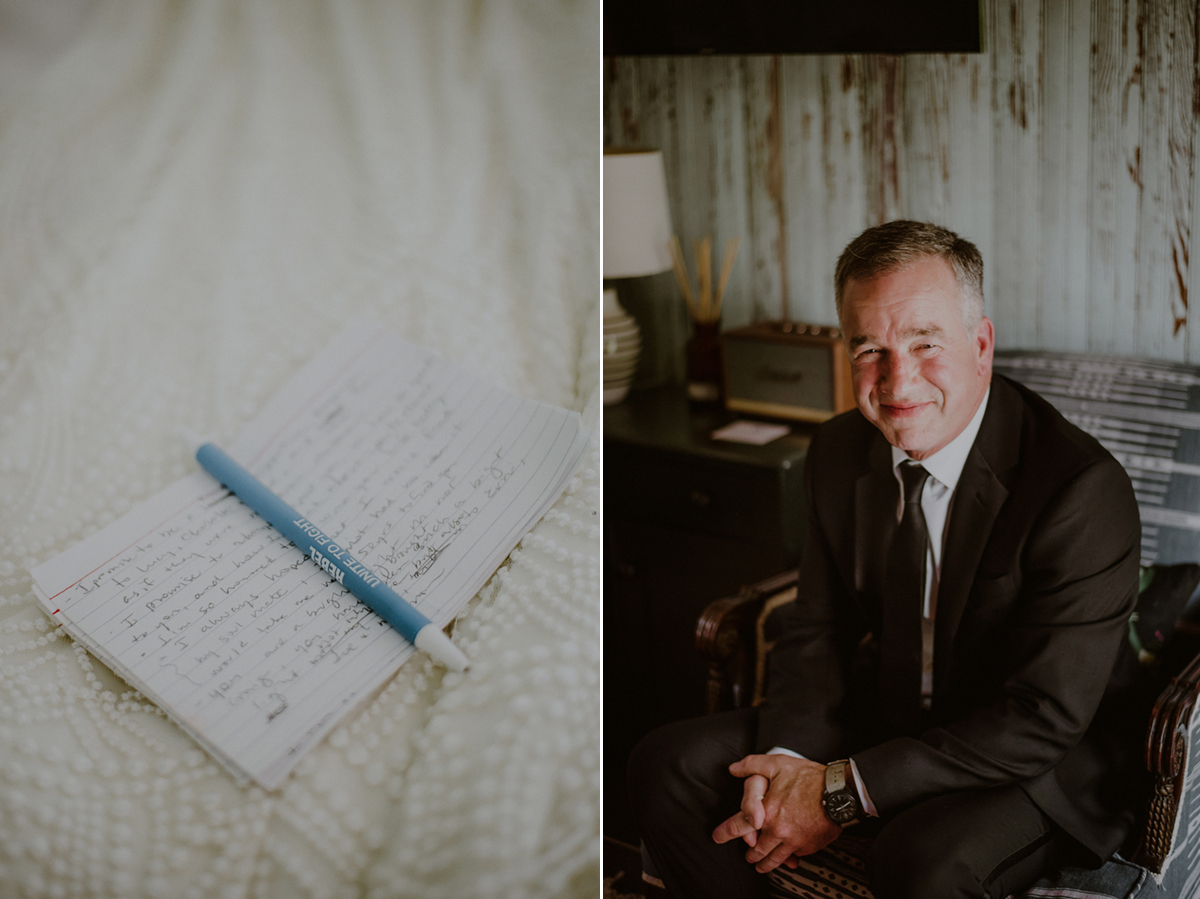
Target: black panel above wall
[{"x": 689, "y": 27}]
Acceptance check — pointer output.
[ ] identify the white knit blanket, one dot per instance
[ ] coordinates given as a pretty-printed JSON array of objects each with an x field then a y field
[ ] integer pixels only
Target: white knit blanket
[{"x": 194, "y": 197}]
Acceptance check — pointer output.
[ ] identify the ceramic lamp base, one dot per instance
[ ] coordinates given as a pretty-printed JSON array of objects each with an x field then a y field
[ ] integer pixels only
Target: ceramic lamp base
[{"x": 621, "y": 351}]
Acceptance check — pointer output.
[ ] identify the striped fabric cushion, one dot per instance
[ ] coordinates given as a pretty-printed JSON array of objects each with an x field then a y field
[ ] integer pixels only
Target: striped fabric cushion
[{"x": 839, "y": 871}]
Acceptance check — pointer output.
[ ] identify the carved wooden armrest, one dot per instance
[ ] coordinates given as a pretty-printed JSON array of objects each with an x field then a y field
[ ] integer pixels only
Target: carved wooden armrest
[
  {"x": 727, "y": 639},
  {"x": 1166, "y": 759}
]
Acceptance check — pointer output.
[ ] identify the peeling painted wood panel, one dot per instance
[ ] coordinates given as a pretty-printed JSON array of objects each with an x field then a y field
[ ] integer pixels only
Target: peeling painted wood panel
[
  {"x": 1065, "y": 69},
  {"x": 1181, "y": 147},
  {"x": 695, "y": 113},
  {"x": 1150, "y": 172},
  {"x": 849, "y": 203},
  {"x": 1115, "y": 151},
  {"x": 825, "y": 178},
  {"x": 621, "y": 105},
  {"x": 927, "y": 139},
  {"x": 802, "y": 107},
  {"x": 970, "y": 154},
  {"x": 947, "y": 177},
  {"x": 1156, "y": 290},
  {"x": 696, "y": 144},
  {"x": 1065, "y": 153},
  {"x": 765, "y": 251},
  {"x": 883, "y": 147},
  {"x": 610, "y": 99},
  {"x": 731, "y": 210},
  {"x": 646, "y": 114},
  {"x": 1016, "y": 105},
  {"x": 844, "y": 157},
  {"x": 1189, "y": 274}
]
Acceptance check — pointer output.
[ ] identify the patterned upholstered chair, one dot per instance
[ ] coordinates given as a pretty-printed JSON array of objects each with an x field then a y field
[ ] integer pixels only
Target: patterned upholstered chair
[{"x": 734, "y": 635}]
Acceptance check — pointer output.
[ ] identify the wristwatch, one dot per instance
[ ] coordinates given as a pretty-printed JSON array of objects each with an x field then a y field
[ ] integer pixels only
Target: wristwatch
[{"x": 841, "y": 798}]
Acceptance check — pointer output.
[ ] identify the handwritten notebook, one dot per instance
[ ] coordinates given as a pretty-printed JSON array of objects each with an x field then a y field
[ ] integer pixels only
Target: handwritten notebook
[{"x": 426, "y": 473}]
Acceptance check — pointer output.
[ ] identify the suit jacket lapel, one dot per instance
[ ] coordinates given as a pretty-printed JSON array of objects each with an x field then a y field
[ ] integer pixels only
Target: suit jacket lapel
[
  {"x": 977, "y": 500},
  {"x": 877, "y": 497}
]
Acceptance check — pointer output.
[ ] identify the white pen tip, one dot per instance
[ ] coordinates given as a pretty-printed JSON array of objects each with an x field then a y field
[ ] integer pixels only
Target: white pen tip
[
  {"x": 432, "y": 640},
  {"x": 191, "y": 439}
]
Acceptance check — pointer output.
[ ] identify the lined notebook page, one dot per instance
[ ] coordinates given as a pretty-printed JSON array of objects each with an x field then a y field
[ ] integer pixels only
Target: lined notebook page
[{"x": 426, "y": 473}]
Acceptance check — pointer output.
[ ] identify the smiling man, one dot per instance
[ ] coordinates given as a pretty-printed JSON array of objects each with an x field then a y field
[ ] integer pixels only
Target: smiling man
[
  {"x": 940, "y": 681},
  {"x": 919, "y": 377}
]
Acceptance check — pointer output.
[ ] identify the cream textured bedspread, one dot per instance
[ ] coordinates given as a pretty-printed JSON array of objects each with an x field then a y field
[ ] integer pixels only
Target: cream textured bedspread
[{"x": 193, "y": 197}]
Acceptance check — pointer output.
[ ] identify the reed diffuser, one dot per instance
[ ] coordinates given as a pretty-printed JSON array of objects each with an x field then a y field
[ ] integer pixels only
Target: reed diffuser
[{"x": 704, "y": 308}]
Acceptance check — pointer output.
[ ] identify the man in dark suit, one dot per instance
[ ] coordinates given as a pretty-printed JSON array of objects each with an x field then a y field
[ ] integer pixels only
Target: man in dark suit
[{"x": 969, "y": 569}]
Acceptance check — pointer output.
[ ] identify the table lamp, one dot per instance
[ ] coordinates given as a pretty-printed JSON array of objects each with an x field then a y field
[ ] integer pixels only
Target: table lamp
[{"x": 637, "y": 238}]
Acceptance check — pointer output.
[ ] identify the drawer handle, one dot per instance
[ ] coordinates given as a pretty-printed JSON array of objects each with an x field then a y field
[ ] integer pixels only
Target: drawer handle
[{"x": 700, "y": 498}]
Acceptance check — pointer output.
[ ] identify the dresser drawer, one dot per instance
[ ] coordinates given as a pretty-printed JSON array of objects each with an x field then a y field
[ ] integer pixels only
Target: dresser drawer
[{"x": 742, "y": 502}]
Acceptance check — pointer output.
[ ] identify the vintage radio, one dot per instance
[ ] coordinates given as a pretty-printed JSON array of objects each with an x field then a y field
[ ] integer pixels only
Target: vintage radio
[{"x": 786, "y": 370}]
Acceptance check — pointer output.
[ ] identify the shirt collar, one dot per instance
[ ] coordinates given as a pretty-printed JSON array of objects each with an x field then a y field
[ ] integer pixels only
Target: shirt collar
[{"x": 947, "y": 463}]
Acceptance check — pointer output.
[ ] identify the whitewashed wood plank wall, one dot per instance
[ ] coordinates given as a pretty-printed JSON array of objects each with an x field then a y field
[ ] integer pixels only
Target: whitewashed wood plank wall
[{"x": 1064, "y": 151}]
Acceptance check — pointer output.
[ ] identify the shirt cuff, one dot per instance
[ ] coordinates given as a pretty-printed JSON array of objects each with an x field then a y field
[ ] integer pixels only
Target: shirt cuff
[
  {"x": 779, "y": 750},
  {"x": 867, "y": 804}
]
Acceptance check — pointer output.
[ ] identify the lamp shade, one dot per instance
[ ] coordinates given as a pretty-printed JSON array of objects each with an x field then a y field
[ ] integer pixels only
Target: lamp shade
[{"x": 637, "y": 219}]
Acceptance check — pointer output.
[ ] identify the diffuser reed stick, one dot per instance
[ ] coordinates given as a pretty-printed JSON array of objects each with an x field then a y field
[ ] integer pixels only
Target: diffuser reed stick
[
  {"x": 731, "y": 250},
  {"x": 703, "y": 304},
  {"x": 681, "y": 278}
]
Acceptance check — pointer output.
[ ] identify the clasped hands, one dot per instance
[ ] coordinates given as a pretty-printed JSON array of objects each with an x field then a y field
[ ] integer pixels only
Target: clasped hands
[{"x": 782, "y": 817}]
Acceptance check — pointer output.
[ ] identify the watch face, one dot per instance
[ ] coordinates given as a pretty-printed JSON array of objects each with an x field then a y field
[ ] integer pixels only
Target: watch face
[{"x": 842, "y": 807}]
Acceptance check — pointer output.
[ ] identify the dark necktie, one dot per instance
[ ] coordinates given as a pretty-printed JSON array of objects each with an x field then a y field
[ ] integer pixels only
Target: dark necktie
[{"x": 904, "y": 595}]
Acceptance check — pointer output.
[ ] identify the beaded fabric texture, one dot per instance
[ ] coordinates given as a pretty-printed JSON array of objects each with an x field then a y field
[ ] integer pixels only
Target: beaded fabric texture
[{"x": 193, "y": 198}]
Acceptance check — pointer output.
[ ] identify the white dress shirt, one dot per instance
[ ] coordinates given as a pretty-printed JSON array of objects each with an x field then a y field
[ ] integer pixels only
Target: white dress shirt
[{"x": 944, "y": 467}]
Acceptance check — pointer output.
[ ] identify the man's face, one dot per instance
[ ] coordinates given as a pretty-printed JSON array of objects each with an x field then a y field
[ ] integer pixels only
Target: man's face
[{"x": 918, "y": 375}]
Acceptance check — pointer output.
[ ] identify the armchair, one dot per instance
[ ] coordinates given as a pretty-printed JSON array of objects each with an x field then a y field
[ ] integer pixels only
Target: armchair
[{"x": 733, "y": 636}]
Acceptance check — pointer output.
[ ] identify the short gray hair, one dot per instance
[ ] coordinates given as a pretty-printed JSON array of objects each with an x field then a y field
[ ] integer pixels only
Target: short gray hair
[{"x": 895, "y": 245}]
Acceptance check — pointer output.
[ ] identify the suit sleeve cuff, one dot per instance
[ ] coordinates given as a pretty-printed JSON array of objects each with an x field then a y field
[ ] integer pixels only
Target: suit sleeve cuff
[{"x": 867, "y": 804}]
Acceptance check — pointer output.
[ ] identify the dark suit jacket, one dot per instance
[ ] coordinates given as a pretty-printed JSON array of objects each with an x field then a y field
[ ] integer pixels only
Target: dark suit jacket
[{"x": 1039, "y": 576}]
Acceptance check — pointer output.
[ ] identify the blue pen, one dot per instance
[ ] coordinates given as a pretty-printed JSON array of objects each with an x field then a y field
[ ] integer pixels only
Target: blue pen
[{"x": 338, "y": 563}]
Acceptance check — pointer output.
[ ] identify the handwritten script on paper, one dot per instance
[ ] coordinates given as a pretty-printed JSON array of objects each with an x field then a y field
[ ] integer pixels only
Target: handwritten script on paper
[{"x": 424, "y": 472}]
